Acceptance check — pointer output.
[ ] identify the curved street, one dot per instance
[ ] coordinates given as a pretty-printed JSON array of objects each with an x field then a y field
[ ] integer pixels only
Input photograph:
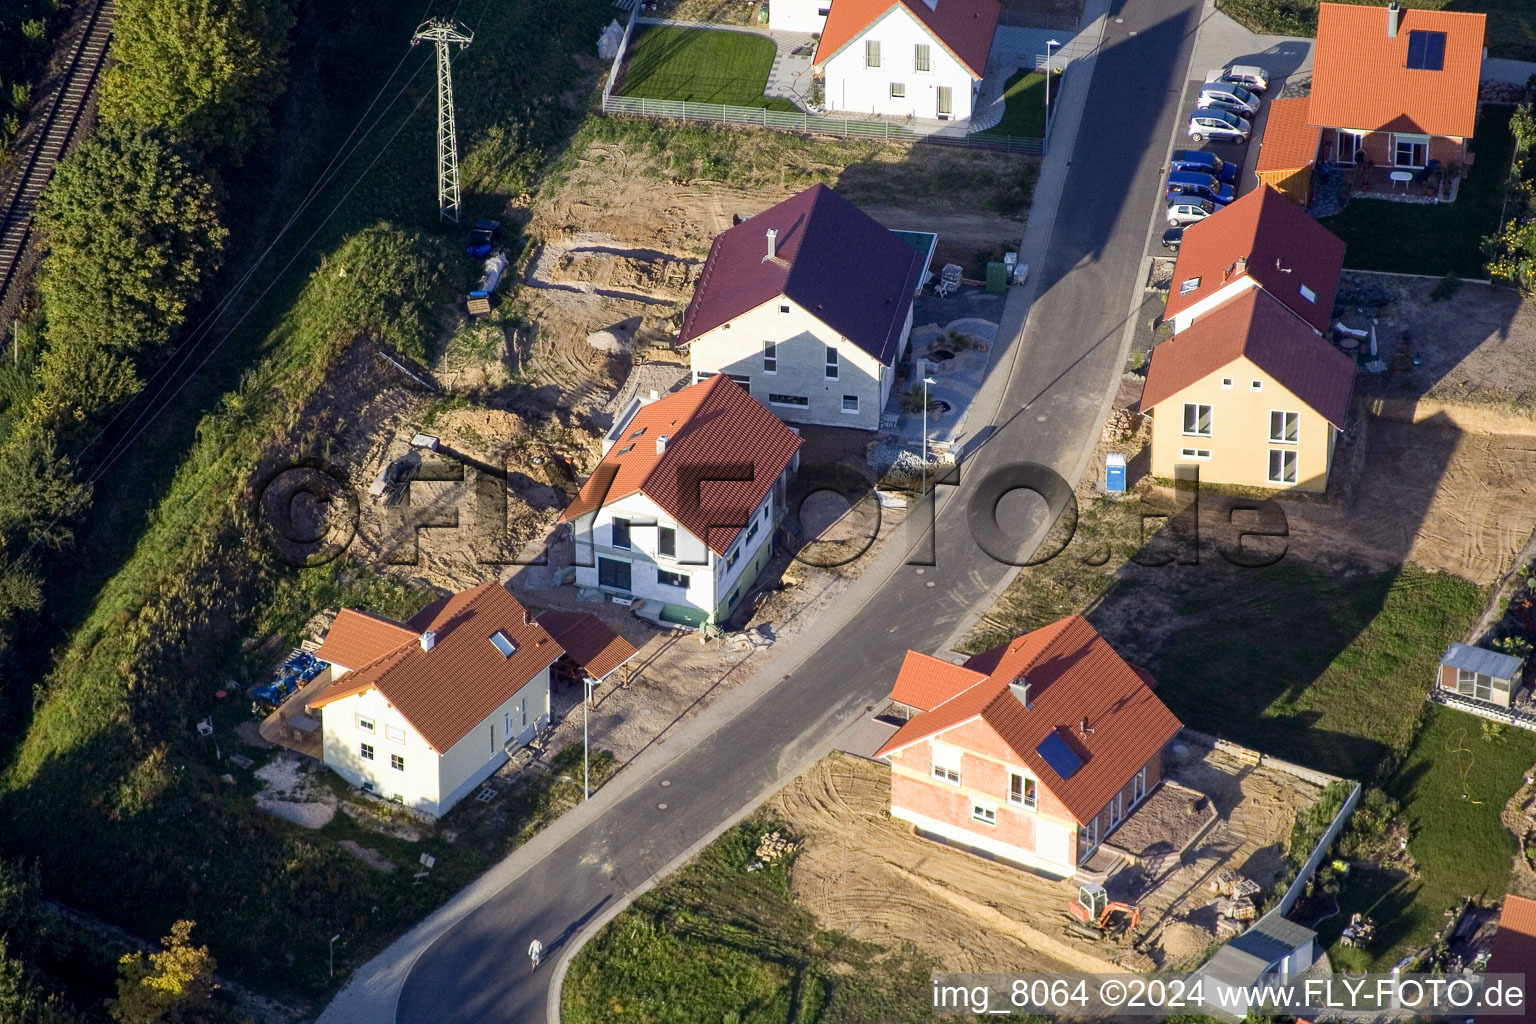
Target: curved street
[{"x": 1046, "y": 395}]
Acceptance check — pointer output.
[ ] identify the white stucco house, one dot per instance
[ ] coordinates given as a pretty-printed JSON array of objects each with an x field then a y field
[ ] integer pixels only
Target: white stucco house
[
  {"x": 808, "y": 306},
  {"x": 422, "y": 712},
  {"x": 680, "y": 514},
  {"x": 903, "y": 58}
]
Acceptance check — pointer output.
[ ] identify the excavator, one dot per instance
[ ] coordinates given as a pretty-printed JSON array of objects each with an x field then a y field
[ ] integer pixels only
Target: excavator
[{"x": 1093, "y": 911}]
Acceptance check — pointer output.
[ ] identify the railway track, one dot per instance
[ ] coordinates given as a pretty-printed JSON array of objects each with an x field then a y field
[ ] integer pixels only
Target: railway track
[{"x": 49, "y": 144}]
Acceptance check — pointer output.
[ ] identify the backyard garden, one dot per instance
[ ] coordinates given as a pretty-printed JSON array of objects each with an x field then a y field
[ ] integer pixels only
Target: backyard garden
[
  {"x": 1024, "y": 107},
  {"x": 696, "y": 65}
]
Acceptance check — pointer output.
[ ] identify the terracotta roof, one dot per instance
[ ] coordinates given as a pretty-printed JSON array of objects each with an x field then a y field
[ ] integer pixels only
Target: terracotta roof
[
  {"x": 589, "y": 641},
  {"x": 1254, "y": 325},
  {"x": 925, "y": 682},
  {"x": 1266, "y": 237},
  {"x": 1361, "y": 78},
  {"x": 448, "y": 691},
  {"x": 830, "y": 258},
  {"x": 963, "y": 27},
  {"x": 356, "y": 638},
  {"x": 1073, "y": 674},
  {"x": 1514, "y": 949},
  {"x": 1289, "y": 142},
  {"x": 710, "y": 425}
]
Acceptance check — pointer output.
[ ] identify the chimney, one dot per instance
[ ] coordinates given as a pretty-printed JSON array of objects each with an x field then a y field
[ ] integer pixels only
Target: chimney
[
  {"x": 428, "y": 640},
  {"x": 661, "y": 443},
  {"x": 1394, "y": 15},
  {"x": 1020, "y": 689},
  {"x": 773, "y": 234},
  {"x": 1085, "y": 730}
]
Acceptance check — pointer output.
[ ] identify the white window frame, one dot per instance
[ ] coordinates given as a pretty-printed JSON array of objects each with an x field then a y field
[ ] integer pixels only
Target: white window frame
[
  {"x": 871, "y": 53},
  {"x": 365, "y": 723},
  {"x": 1309, "y": 294},
  {"x": 1139, "y": 786},
  {"x": 770, "y": 357},
  {"x": 679, "y": 582},
  {"x": 946, "y": 763},
  {"x": 855, "y": 410},
  {"x": 898, "y": 90},
  {"x": 982, "y": 814},
  {"x": 365, "y": 751},
  {"x": 1199, "y": 454},
  {"x": 1190, "y": 284},
  {"x": 1415, "y": 143},
  {"x": 1209, "y": 417},
  {"x": 1287, "y": 456},
  {"x": 833, "y": 365},
  {"x": 1116, "y": 809},
  {"x": 1226, "y": 383},
  {"x": 1288, "y": 419},
  {"x": 922, "y": 58},
  {"x": 1255, "y": 385},
  {"x": 1024, "y": 799},
  {"x": 773, "y": 400},
  {"x": 395, "y": 734},
  {"x": 397, "y": 762}
]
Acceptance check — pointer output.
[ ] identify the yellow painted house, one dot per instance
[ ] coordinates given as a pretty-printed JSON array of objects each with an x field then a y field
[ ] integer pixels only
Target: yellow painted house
[{"x": 1251, "y": 395}]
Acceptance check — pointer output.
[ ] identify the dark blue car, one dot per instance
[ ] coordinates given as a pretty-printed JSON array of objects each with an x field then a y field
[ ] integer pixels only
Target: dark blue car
[
  {"x": 1204, "y": 163},
  {"x": 1193, "y": 183}
]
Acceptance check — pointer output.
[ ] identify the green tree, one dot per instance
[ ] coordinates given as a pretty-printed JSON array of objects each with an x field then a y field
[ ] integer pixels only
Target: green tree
[
  {"x": 174, "y": 986},
  {"x": 132, "y": 232},
  {"x": 24, "y": 1001},
  {"x": 204, "y": 69}
]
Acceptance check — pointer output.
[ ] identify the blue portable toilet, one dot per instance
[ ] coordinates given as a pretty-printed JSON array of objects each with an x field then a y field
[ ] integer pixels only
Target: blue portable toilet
[{"x": 1114, "y": 472}]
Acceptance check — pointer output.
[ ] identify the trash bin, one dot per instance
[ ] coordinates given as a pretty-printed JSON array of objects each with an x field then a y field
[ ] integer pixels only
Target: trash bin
[
  {"x": 1114, "y": 472},
  {"x": 997, "y": 278},
  {"x": 762, "y": 15}
]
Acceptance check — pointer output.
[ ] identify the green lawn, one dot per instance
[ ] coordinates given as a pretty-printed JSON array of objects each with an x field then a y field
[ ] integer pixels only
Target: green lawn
[
  {"x": 1511, "y": 23},
  {"x": 701, "y": 65},
  {"x": 1452, "y": 786},
  {"x": 1024, "y": 107},
  {"x": 1408, "y": 239}
]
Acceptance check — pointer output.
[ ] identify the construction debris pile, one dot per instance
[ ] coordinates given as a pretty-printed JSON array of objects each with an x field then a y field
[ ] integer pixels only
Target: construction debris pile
[
  {"x": 1234, "y": 900},
  {"x": 772, "y": 846},
  {"x": 1122, "y": 426}
]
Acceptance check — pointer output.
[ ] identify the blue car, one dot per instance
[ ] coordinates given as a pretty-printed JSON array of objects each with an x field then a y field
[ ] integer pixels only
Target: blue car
[
  {"x": 1204, "y": 163},
  {"x": 1200, "y": 186}
]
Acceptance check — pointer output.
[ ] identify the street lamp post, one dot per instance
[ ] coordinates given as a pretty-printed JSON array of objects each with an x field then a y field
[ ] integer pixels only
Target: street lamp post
[
  {"x": 1050, "y": 44},
  {"x": 586, "y": 779},
  {"x": 926, "y": 382},
  {"x": 333, "y": 954}
]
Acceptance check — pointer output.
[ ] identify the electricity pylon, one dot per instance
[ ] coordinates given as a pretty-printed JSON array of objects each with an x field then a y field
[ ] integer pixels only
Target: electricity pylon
[{"x": 442, "y": 34}]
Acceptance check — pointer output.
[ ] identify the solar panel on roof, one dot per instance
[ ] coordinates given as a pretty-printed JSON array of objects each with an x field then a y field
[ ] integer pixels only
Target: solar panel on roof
[
  {"x": 1426, "y": 50},
  {"x": 1059, "y": 755}
]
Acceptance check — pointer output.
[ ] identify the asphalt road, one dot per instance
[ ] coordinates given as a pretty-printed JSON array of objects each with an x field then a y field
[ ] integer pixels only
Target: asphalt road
[{"x": 1067, "y": 359}]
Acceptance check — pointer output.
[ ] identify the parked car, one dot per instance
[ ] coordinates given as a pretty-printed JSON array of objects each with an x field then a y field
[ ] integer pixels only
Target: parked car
[
  {"x": 1173, "y": 238},
  {"x": 1203, "y": 186},
  {"x": 1228, "y": 96},
  {"x": 1223, "y": 125},
  {"x": 1249, "y": 76},
  {"x": 1189, "y": 211},
  {"x": 1205, "y": 163}
]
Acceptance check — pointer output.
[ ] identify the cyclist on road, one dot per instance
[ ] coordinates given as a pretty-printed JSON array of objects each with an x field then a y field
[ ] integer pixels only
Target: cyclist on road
[{"x": 535, "y": 951}]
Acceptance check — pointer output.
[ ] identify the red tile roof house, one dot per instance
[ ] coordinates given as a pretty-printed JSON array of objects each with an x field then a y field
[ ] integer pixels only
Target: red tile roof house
[
  {"x": 1396, "y": 86},
  {"x": 660, "y": 522},
  {"x": 1032, "y": 752},
  {"x": 1514, "y": 952},
  {"x": 1260, "y": 241},
  {"x": 904, "y": 58},
  {"x": 422, "y": 712},
  {"x": 808, "y": 306}
]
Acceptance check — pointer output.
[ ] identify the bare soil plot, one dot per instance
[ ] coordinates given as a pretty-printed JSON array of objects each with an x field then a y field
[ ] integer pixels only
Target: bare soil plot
[{"x": 865, "y": 873}]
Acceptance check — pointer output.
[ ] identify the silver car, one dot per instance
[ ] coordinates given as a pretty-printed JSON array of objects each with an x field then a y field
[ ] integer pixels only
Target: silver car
[
  {"x": 1249, "y": 76},
  {"x": 1221, "y": 125},
  {"x": 1189, "y": 210},
  {"x": 1231, "y": 97}
]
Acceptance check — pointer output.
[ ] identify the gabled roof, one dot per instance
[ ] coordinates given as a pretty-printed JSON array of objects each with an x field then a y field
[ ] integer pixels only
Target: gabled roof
[
  {"x": 1073, "y": 675},
  {"x": 448, "y": 691},
  {"x": 963, "y": 27},
  {"x": 1361, "y": 78},
  {"x": 1482, "y": 661},
  {"x": 925, "y": 682},
  {"x": 1514, "y": 949},
  {"x": 356, "y": 638},
  {"x": 711, "y": 426},
  {"x": 1254, "y": 326},
  {"x": 1266, "y": 237},
  {"x": 1289, "y": 142},
  {"x": 830, "y": 258},
  {"x": 589, "y": 641}
]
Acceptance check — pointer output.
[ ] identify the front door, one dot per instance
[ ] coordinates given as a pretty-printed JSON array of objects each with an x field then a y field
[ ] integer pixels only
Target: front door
[
  {"x": 613, "y": 574},
  {"x": 945, "y": 101}
]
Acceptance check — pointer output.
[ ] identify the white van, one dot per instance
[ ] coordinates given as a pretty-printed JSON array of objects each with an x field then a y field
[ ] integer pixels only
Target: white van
[{"x": 1229, "y": 96}]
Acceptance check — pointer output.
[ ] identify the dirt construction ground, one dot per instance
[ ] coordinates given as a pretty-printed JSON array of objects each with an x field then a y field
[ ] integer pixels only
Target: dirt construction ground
[{"x": 865, "y": 873}]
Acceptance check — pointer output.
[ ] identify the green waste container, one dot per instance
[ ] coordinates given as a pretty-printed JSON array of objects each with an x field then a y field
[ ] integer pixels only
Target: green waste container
[
  {"x": 762, "y": 14},
  {"x": 997, "y": 278}
]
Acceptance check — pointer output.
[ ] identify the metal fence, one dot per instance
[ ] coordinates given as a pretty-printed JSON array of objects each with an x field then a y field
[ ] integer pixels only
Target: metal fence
[{"x": 810, "y": 124}]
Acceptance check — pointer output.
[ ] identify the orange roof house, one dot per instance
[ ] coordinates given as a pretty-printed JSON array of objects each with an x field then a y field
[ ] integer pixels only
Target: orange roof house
[
  {"x": 1396, "y": 85},
  {"x": 423, "y": 711},
  {"x": 963, "y": 27},
  {"x": 1514, "y": 952},
  {"x": 1033, "y": 751},
  {"x": 1260, "y": 241},
  {"x": 680, "y": 513},
  {"x": 1288, "y": 149}
]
